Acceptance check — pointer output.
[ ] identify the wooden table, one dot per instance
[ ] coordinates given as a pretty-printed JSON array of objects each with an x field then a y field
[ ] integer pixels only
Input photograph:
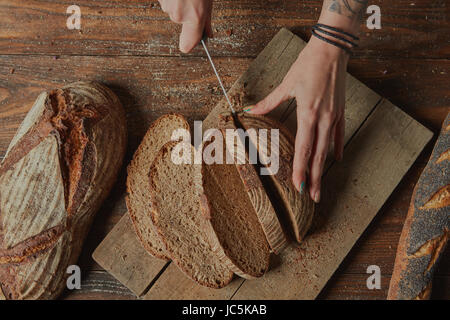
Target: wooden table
[{"x": 132, "y": 47}]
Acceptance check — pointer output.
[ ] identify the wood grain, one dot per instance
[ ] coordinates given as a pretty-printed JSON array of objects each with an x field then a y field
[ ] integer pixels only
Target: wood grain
[
  {"x": 121, "y": 254},
  {"x": 242, "y": 27},
  {"x": 173, "y": 285}
]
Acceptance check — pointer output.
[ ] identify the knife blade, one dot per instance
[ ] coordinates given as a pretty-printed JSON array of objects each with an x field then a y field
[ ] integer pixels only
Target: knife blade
[{"x": 217, "y": 75}]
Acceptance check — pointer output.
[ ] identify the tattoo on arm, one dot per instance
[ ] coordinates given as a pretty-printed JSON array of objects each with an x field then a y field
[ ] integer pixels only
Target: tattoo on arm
[{"x": 348, "y": 8}]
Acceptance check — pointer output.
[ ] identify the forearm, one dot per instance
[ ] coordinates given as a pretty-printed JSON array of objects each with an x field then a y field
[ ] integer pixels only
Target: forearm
[{"x": 343, "y": 14}]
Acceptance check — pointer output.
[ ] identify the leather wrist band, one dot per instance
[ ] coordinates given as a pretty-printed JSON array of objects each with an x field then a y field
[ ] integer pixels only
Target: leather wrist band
[
  {"x": 334, "y": 43},
  {"x": 338, "y": 34},
  {"x": 324, "y": 26}
]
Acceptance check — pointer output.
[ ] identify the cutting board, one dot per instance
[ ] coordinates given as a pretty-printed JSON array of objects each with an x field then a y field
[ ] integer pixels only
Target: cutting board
[{"x": 381, "y": 143}]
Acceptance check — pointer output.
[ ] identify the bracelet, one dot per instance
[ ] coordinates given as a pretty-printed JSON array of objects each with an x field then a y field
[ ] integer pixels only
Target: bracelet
[
  {"x": 324, "y": 26},
  {"x": 319, "y": 27},
  {"x": 351, "y": 43},
  {"x": 334, "y": 43}
]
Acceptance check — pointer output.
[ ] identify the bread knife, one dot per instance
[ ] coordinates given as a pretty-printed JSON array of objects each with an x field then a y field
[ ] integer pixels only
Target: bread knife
[{"x": 217, "y": 74}]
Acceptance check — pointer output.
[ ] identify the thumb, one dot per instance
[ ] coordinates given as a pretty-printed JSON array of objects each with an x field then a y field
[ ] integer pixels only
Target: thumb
[
  {"x": 270, "y": 102},
  {"x": 190, "y": 36}
]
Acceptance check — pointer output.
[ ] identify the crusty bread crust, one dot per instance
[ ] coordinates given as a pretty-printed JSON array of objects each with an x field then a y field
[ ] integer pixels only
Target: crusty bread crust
[
  {"x": 426, "y": 230},
  {"x": 299, "y": 207},
  {"x": 60, "y": 166},
  {"x": 258, "y": 196},
  {"x": 153, "y": 246}
]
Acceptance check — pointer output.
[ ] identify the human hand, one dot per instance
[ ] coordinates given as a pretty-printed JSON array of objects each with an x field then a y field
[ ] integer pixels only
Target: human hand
[
  {"x": 317, "y": 81},
  {"x": 194, "y": 15}
]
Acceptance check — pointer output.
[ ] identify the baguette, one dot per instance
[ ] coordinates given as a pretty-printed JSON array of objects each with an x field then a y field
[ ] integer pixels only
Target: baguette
[
  {"x": 58, "y": 169},
  {"x": 427, "y": 226}
]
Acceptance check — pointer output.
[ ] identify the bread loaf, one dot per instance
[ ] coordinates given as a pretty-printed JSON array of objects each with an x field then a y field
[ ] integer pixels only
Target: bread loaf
[
  {"x": 138, "y": 198},
  {"x": 299, "y": 208},
  {"x": 176, "y": 191},
  {"x": 427, "y": 226},
  {"x": 58, "y": 169}
]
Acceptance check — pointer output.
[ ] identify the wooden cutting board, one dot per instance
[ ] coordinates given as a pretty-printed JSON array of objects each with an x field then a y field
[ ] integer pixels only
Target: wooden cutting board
[{"x": 382, "y": 142}]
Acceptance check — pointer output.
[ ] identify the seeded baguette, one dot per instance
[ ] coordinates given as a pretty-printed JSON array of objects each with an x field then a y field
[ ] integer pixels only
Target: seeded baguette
[
  {"x": 58, "y": 169},
  {"x": 426, "y": 230},
  {"x": 299, "y": 208},
  {"x": 176, "y": 191},
  {"x": 138, "y": 198}
]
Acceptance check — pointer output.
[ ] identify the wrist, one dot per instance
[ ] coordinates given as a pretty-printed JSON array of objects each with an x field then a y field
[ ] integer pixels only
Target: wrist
[{"x": 331, "y": 51}]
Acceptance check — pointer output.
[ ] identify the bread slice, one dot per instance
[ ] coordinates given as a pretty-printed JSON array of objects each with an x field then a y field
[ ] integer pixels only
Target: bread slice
[
  {"x": 137, "y": 200},
  {"x": 258, "y": 196},
  {"x": 299, "y": 207},
  {"x": 234, "y": 221},
  {"x": 176, "y": 191}
]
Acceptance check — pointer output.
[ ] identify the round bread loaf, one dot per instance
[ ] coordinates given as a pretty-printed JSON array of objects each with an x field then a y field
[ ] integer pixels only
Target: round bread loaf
[{"x": 58, "y": 169}]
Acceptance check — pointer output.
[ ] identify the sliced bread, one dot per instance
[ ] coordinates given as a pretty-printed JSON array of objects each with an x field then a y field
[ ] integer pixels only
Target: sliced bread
[
  {"x": 176, "y": 191},
  {"x": 299, "y": 207},
  {"x": 137, "y": 200},
  {"x": 258, "y": 196},
  {"x": 234, "y": 221}
]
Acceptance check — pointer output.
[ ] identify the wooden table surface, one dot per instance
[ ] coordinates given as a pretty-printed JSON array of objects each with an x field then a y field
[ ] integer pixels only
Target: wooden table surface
[{"x": 132, "y": 47}]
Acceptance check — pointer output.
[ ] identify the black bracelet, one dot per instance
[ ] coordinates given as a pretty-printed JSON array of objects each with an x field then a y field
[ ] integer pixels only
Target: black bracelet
[
  {"x": 336, "y": 36},
  {"x": 334, "y": 43},
  {"x": 324, "y": 26}
]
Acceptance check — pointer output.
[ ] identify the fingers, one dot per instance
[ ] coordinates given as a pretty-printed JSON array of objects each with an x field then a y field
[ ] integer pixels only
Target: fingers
[
  {"x": 195, "y": 16},
  {"x": 339, "y": 139},
  {"x": 304, "y": 141},
  {"x": 270, "y": 102},
  {"x": 190, "y": 36},
  {"x": 324, "y": 126}
]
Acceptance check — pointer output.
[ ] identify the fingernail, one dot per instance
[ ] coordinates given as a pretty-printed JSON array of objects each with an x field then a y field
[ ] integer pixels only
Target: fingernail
[
  {"x": 317, "y": 197},
  {"x": 302, "y": 187},
  {"x": 248, "y": 109}
]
